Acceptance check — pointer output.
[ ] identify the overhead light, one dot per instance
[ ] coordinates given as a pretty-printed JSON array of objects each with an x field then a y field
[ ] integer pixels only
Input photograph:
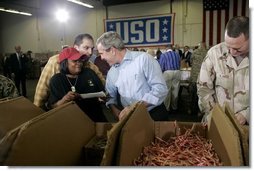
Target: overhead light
[
  {"x": 62, "y": 15},
  {"x": 15, "y": 11},
  {"x": 81, "y": 3}
]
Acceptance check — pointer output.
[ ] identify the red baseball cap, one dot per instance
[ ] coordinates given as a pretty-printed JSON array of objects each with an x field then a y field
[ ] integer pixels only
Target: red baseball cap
[{"x": 71, "y": 54}]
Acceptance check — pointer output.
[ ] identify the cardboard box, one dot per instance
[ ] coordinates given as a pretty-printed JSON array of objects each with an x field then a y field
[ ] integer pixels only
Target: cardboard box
[
  {"x": 94, "y": 150},
  {"x": 140, "y": 130},
  {"x": 58, "y": 138},
  {"x": 243, "y": 131},
  {"x": 55, "y": 138},
  {"x": 15, "y": 112},
  {"x": 111, "y": 155}
]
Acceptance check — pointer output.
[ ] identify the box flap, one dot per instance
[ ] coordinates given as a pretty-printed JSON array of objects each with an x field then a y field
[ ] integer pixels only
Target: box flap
[
  {"x": 110, "y": 156},
  {"x": 136, "y": 133},
  {"x": 225, "y": 138},
  {"x": 15, "y": 112},
  {"x": 55, "y": 138},
  {"x": 243, "y": 131}
]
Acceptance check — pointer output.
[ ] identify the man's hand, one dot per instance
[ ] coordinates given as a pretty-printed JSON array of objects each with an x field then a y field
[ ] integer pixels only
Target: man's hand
[
  {"x": 124, "y": 112},
  {"x": 242, "y": 120}
]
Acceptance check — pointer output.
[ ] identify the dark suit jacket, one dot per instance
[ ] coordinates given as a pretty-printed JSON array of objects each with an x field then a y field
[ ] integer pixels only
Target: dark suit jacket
[
  {"x": 187, "y": 58},
  {"x": 14, "y": 63}
]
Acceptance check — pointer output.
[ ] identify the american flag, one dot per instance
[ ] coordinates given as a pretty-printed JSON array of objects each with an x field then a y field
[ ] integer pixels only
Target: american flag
[{"x": 216, "y": 14}]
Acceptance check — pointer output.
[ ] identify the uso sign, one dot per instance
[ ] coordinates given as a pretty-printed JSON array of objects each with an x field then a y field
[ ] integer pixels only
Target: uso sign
[{"x": 144, "y": 31}]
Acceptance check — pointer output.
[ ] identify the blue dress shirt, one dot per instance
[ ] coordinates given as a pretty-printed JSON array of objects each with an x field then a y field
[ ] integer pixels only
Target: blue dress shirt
[{"x": 137, "y": 78}]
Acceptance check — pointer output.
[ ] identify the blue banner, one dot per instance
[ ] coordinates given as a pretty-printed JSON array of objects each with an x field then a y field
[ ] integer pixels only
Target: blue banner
[{"x": 143, "y": 31}]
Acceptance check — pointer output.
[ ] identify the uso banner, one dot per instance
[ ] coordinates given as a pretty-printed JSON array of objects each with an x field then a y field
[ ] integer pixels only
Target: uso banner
[{"x": 144, "y": 31}]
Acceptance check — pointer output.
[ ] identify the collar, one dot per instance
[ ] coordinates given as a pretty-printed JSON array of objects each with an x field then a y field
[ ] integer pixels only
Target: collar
[
  {"x": 230, "y": 61},
  {"x": 127, "y": 57}
]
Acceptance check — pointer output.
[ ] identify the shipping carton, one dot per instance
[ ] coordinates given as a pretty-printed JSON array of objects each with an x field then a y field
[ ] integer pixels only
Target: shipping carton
[
  {"x": 110, "y": 156},
  {"x": 54, "y": 138},
  {"x": 14, "y": 112},
  {"x": 63, "y": 136},
  {"x": 140, "y": 130},
  {"x": 243, "y": 131}
]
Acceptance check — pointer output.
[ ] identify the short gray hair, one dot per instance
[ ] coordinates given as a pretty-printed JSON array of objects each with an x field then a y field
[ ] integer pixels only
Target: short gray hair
[{"x": 111, "y": 39}]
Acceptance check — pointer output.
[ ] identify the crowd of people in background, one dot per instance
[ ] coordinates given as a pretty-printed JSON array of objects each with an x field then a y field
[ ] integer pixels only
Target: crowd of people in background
[{"x": 156, "y": 81}]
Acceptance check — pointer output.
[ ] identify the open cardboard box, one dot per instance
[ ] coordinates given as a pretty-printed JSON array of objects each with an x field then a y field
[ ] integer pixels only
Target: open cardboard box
[
  {"x": 58, "y": 138},
  {"x": 140, "y": 130},
  {"x": 54, "y": 138},
  {"x": 16, "y": 111},
  {"x": 243, "y": 131}
]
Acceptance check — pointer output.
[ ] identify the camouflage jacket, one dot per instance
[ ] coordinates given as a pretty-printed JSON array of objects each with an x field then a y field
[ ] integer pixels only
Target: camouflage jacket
[
  {"x": 221, "y": 80},
  {"x": 7, "y": 88},
  {"x": 197, "y": 58}
]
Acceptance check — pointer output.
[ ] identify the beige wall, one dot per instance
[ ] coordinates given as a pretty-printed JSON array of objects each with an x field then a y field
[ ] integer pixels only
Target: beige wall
[{"x": 42, "y": 33}]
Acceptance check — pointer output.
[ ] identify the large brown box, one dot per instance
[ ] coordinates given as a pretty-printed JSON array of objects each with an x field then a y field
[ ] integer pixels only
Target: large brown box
[
  {"x": 243, "y": 131},
  {"x": 54, "y": 138},
  {"x": 14, "y": 112},
  {"x": 140, "y": 130},
  {"x": 57, "y": 138}
]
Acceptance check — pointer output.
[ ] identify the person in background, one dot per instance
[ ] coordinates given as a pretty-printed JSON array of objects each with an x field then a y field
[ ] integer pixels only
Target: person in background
[
  {"x": 7, "y": 88},
  {"x": 133, "y": 76},
  {"x": 6, "y": 66},
  {"x": 84, "y": 43},
  {"x": 29, "y": 65},
  {"x": 224, "y": 74},
  {"x": 178, "y": 50},
  {"x": 135, "y": 49},
  {"x": 158, "y": 54},
  {"x": 197, "y": 57},
  {"x": 65, "y": 46},
  {"x": 17, "y": 63},
  {"x": 151, "y": 52},
  {"x": 170, "y": 66},
  {"x": 74, "y": 80},
  {"x": 186, "y": 56}
]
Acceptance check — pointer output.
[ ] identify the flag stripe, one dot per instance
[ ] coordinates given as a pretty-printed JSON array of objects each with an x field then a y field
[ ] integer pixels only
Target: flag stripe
[
  {"x": 219, "y": 25},
  {"x": 223, "y": 23},
  {"x": 235, "y": 8},
  {"x": 211, "y": 28},
  {"x": 214, "y": 40},
  {"x": 243, "y": 7},
  {"x": 204, "y": 27},
  {"x": 214, "y": 21},
  {"x": 207, "y": 27}
]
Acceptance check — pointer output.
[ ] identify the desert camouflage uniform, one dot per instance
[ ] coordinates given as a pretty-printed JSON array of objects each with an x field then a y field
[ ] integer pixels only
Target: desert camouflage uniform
[
  {"x": 221, "y": 80},
  {"x": 7, "y": 88}
]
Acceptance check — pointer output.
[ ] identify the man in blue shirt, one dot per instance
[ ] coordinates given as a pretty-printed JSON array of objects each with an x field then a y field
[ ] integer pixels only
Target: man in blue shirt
[
  {"x": 134, "y": 76},
  {"x": 170, "y": 66}
]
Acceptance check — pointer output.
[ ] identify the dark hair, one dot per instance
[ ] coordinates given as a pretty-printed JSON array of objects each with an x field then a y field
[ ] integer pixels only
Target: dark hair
[
  {"x": 79, "y": 39},
  {"x": 64, "y": 67},
  {"x": 238, "y": 25}
]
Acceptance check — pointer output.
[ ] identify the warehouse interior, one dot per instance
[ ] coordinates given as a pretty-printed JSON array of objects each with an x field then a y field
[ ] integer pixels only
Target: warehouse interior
[{"x": 63, "y": 137}]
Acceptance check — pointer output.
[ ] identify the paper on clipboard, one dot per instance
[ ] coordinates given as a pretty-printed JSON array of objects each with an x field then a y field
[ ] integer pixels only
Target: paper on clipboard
[{"x": 92, "y": 95}]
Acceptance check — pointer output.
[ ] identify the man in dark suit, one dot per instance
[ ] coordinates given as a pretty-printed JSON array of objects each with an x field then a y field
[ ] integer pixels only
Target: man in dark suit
[
  {"x": 186, "y": 56},
  {"x": 17, "y": 63}
]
